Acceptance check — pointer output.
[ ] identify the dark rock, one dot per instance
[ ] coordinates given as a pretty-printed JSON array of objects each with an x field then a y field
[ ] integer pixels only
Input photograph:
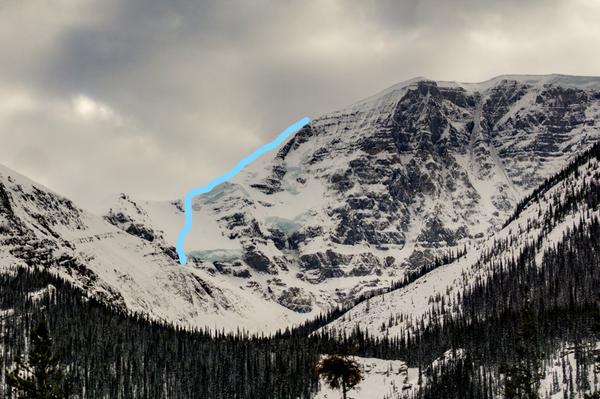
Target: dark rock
[
  {"x": 258, "y": 261},
  {"x": 139, "y": 230},
  {"x": 279, "y": 238},
  {"x": 245, "y": 273},
  {"x": 296, "y": 299},
  {"x": 171, "y": 252}
]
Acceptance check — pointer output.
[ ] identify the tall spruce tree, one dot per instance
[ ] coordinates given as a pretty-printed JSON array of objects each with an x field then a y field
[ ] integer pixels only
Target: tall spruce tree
[
  {"x": 522, "y": 379},
  {"x": 38, "y": 376},
  {"x": 339, "y": 371},
  {"x": 595, "y": 329}
]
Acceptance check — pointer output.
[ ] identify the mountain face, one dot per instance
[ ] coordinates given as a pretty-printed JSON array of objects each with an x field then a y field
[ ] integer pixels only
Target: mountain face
[
  {"x": 39, "y": 228},
  {"x": 559, "y": 216},
  {"x": 348, "y": 204},
  {"x": 359, "y": 196}
]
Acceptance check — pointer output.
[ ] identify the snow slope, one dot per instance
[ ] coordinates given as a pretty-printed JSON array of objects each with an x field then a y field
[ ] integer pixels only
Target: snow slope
[{"x": 39, "y": 227}]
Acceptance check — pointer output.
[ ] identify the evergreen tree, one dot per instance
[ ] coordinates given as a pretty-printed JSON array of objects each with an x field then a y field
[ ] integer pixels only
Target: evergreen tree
[
  {"x": 521, "y": 379},
  {"x": 596, "y": 329},
  {"x": 39, "y": 375},
  {"x": 339, "y": 371}
]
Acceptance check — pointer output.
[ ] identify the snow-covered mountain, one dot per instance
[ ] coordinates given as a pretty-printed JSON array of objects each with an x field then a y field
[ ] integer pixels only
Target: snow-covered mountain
[
  {"x": 359, "y": 196},
  {"x": 347, "y": 205},
  {"x": 440, "y": 293},
  {"x": 40, "y": 228}
]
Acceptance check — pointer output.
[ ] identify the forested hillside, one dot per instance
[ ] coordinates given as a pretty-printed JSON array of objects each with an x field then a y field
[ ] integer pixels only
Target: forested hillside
[
  {"x": 548, "y": 250},
  {"x": 109, "y": 354}
]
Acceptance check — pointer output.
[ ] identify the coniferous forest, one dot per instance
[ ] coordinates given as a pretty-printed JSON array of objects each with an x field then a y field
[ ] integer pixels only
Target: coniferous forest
[
  {"x": 563, "y": 288},
  {"x": 108, "y": 354}
]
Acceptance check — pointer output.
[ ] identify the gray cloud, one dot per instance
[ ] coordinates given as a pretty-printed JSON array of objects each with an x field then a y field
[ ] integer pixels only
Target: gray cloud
[{"x": 157, "y": 97}]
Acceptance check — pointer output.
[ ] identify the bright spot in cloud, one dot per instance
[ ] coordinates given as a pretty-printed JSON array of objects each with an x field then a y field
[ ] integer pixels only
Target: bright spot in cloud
[{"x": 90, "y": 109}]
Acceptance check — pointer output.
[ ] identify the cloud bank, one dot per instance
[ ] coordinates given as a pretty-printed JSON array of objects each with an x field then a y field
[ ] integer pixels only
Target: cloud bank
[{"x": 154, "y": 98}]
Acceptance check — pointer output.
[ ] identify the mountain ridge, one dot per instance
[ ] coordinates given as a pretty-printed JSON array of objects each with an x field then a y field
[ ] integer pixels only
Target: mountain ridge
[
  {"x": 39, "y": 228},
  {"x": 351, "y": 203},
  {"x": 479, "y": 158}
]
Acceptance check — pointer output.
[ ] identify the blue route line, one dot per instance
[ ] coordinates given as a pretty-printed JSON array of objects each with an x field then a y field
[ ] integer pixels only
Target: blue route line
[{"x": 205, "y": 189}]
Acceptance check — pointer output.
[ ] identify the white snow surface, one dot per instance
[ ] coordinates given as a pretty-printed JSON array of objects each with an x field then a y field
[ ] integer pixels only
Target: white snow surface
[{"x": 579, "y": 82}]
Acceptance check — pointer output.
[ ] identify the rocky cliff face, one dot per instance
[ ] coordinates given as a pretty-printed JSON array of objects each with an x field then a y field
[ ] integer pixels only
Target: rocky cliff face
[{"x": 387, "y": 184}]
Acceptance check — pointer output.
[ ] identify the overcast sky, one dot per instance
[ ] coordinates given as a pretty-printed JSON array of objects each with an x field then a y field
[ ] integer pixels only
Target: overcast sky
[{"x": 156, "y": 97}]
